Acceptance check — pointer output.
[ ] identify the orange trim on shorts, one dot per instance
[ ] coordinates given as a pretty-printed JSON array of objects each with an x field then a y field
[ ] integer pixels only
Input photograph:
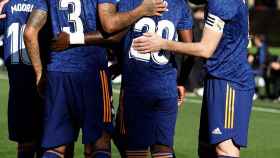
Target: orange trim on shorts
[
  {"x": 109, "y": 110},
  {"x": 106, "y": 98}
]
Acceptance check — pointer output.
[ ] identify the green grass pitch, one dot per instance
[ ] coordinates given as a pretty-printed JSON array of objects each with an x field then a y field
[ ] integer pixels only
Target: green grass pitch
[{"x": 264, "y": 136}]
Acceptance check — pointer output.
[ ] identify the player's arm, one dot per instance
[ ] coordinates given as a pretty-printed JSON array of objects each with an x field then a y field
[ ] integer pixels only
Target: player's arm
[
  {"x": 2, "y": 4},
  {"x": 185, "y": 36},
  {"x": 205, "y": 48},
  {"x": 36, "y": 21},
  {"x": 63, "y": 41},
  {"x": 212, "y": 33},
  {"x": 113, "y": 21}
]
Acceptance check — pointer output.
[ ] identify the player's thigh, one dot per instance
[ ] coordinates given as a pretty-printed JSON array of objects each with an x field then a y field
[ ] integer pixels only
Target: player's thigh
[
  {"x": 96, "y": 103},
  {"x": 60, "y": 124},
  {"x": 165, "y": 120},
  {"x": 241, "y": 116},
  {"x": 212, "y": 116},
  {"x": 24, "y": 105},
  {"x": 227, "y": 113},
  {"x": 139, "y": 117}
]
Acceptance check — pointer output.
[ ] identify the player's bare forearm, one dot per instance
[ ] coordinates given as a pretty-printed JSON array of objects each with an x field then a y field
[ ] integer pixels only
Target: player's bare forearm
[
  {"x": 62, "y": 41},
  {"x": 113, "y": 21},
  {"x": 205, "y": 48},
  {"x": 35, "y": 22},
  {"x": 104, "y": 38}
]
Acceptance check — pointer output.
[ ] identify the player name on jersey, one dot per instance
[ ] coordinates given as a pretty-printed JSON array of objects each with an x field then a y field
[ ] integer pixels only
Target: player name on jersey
[{"x": 21, "y": 7}]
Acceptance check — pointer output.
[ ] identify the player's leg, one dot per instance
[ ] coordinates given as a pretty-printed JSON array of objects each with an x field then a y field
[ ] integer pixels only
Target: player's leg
[
  {"x": 58, "y": 152},
  {"x": 26, "y": 150},
  {"x": 240, "y": 103},
  {"x": 162, "y": 151},
  {"x": 228, "y": 112},
  {"x": 61, "y": 125},
  {"x": 98, "y": 114},
  {"x": 140, "y": 123},
  {"x": 120, "y": 134},
  {"x": 205, "y": 148},
  {"x": 165, "y": 116},
  {"x": 100, "y": 149},
  {"x": 227, "y": 149},
  {"x": 24, "y": 111}
]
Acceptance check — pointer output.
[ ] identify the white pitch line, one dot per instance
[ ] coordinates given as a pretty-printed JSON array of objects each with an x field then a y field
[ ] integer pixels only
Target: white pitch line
[
  {"x": 269, "y": 110},
  {"x": 196, "y": 101}
]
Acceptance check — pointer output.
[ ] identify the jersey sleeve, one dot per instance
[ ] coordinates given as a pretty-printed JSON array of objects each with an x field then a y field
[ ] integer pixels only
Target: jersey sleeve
[
  {"x": 41, "y": 5},
  {"x": 186, "y": 22},
  {"x": 224, "y": 9},
  {"x": 108, "y": 1}
]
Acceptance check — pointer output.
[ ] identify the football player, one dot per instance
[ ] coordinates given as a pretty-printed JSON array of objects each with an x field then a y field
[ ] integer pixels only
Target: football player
[
  {"x": 148, "y": 110},
  {"x": 149, "y": 82},
  {"x": 229, "y": 85},
  {"x": 77, "y": 87},
  {"x": 24, "y": 105}
]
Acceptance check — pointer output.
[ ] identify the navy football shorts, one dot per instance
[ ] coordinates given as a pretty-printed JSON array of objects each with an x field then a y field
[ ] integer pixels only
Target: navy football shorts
[
  {"x": 225, "y": 113},
  {"x": 74, "y": 101},
  {"x": 147, "y": 120},
  {"x": 25, "y": 110}
]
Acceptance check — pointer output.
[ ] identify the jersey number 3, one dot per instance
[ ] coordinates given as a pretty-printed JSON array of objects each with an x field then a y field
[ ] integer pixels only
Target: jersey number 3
[
  {"x": 164, "y": 28},
  {"x": 74, "y": 16}
]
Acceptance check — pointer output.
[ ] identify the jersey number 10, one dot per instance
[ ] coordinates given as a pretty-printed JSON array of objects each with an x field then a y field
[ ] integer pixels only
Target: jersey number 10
[{"x": 17, "y": 47}]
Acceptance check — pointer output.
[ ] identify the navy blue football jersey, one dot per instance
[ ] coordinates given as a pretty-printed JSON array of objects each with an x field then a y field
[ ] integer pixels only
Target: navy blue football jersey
[
  {"x": 12, "y": 27},
  {"x": 229, "y": 61},
  {"x": 153, "y": 73},
  {"x": 75, "y": 17}
]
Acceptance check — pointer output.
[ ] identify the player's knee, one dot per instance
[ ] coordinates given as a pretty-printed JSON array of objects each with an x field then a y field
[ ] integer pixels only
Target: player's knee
[
  {"x": 161, "y": 151},
  {"x": 104, "y": 142},
  {"x": 102, "y": 147},
  {"x": 22, "y": 147},
  {"x": 31, "y": 149},
  {"x": 206, "y": 150},
  {"x": 52, "y": 153},
  {"x": 92, "y": 152},
  {"x": 227, "y": 148},
  {"x": 69, "y": 151}
]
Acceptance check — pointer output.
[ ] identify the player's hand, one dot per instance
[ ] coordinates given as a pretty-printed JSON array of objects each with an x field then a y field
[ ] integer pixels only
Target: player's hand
[
  {"x": 2, "y": 4},
  {"x": 61, "y": 43},
  {"x": 41, "y": 83},
  {"x": 153, "y": 7},
  {"x": 149, "y": 42},
  {"x": 181, "y": 95}
]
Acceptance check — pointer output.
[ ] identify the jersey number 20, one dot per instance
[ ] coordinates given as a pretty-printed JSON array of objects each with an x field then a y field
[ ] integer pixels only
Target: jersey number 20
[{"x": 163, "y": 27}]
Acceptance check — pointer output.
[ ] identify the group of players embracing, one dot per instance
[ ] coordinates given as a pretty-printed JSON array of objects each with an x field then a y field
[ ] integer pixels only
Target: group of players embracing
[{"x": 56, "y": 56}]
